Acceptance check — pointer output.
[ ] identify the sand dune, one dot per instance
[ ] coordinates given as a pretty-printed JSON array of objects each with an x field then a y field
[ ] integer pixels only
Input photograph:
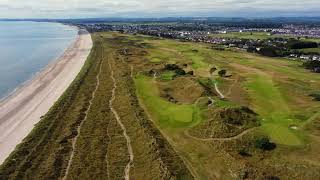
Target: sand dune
[{"x": 22, "y": 110}]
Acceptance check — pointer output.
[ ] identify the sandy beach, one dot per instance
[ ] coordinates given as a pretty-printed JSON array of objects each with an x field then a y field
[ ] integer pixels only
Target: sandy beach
[{"x": 20, "y": 111}]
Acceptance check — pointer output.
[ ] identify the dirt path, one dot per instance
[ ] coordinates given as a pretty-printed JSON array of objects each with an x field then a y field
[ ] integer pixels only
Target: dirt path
[
  {"x": 221, "y": 139},
  {"x": 74, "y": 141},
  {"x": 218, "y": 91},
  {"x": 130, "y": 151},
  {"x": 216, "y": 88}
]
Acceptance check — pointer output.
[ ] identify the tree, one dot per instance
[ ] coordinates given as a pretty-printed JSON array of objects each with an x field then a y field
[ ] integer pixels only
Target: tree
[
  {"x": 222, "y": 73},
  {"x": 269, "y": 51},
  {"x": 312, "y": 65},
  {"x": 297, "y": 44}
]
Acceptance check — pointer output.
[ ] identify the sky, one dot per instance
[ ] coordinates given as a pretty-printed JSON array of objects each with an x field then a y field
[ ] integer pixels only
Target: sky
[{"x": 156, "y": 8}]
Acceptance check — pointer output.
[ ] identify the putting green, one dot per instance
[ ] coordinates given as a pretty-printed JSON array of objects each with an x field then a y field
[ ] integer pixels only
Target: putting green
[{"x": 166, "y": 113}]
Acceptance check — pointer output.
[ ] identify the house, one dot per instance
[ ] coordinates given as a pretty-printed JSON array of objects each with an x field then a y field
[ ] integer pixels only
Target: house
[
  {"x": 316, "y": 58},
  {"x": 305, "y": 57},
  {"x": 222, "y": 32},
  {"x": 293, "y": 55}
]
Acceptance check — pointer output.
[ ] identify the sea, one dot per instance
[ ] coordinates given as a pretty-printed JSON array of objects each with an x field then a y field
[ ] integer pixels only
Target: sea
[{"x": 28, "y": 47}]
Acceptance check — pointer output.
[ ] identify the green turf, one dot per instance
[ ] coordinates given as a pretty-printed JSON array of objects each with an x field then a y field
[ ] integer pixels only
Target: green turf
[
  {"x": 310, "y": 50},
  {"x": 167, "y": 75},
  {"x": 155, "y": 60},
  {"x": 273, "y": 108},
  {"x": 244, "y": 35},
  {"x": 166, "y": 113},
  {"x": 197, "y": 61},
  {"x": 270, "y": 96},
  {"x": 224, "y": 103},
  {"x": 258, "y": 35}
]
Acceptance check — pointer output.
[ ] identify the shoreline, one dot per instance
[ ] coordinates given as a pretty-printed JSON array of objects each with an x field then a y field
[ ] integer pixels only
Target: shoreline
[
  {"x": 23, "y": 108},
  {"x": 28, "y": 81}
]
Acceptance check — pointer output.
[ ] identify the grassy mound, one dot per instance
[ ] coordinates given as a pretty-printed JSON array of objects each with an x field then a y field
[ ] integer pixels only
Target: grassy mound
[
  {"x": 183, "y": 90},
  {"x": 226, "y": 122},
  {"x": 168, "y": 114}
]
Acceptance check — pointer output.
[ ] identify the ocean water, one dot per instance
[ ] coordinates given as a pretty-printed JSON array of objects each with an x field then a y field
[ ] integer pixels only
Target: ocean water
[{"x": 28, "y": 47}]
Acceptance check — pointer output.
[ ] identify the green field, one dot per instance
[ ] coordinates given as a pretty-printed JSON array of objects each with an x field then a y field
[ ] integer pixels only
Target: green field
[
  {"x": 272, "y": 107},
  {"x": 266, "y": 83},
  {"x": 277, "y": 89},
  {"x": 244, "y": 35},
  {"x": 310, "y": 50},
  {"x": 168, "y": 114},
  {"x": 258, "y": 35}
]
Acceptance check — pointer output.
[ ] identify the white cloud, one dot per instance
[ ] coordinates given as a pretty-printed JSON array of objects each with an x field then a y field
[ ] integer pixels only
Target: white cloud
[{"x": 127, "y": 8}]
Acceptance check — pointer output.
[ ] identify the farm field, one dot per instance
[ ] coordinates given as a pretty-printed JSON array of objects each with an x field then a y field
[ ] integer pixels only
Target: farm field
[
  {"x": 310, "y": 50},
  {"x": 150, "y": 108},
  {"x": 258, "y": 35}
]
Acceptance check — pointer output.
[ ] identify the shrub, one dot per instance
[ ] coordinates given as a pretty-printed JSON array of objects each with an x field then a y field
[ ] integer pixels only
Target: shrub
[
  {"x": 312, "y": 65},
  {"x": 244, "y": 152},
  {"x": 294, "y": 44},
  {"x": 190, "y": 73},
  {"x": 316, "y": 96},
  {"x": 171, "y": 67},
  {"x": 180, "y": 72},
  {"x": 269, "y": 51},
  {"x": 222, "y": 72},
  {"x": 264, "y": 144}
]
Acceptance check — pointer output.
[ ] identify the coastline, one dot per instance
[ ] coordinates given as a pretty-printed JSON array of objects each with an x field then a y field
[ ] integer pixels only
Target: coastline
[
  {"x": 23, "y": 108},
  {"x": 28, "y": 81}
]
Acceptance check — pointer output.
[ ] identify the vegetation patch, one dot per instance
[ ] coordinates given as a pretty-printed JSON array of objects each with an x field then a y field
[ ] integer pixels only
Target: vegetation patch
[
  {"x": 275, "y": 113},
  {"x": 316, "y": 96},
  {"x": 167, "y": 114},
  {"x": 226, "y": 122},
  {"x": 167, "y": 75},
  {"x": 264, "y": 143},
  {"x": 182, "y": 90}
]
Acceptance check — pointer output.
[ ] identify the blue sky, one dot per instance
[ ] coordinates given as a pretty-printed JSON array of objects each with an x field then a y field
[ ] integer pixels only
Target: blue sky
[{"x": 156, "y": 8}]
